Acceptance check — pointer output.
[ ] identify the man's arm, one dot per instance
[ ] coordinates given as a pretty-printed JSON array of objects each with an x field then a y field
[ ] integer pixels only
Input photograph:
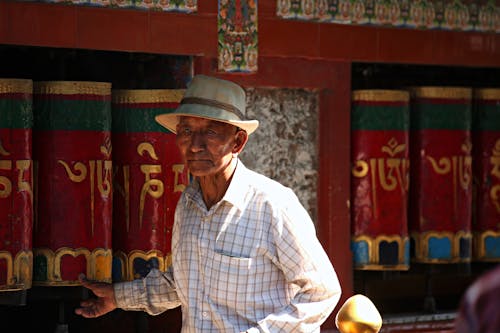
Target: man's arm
[{"x": 153, "y": 294}]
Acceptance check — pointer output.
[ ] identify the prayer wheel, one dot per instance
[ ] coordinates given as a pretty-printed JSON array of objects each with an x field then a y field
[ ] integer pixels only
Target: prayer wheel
[
  {"x": 379, "y": 179},
  {"x": 149, "y": 177},
  {"x": 486, "y": 170},
  {"x": 441, "y": 174},
  {"x": 72, "y": 151},
  {"x": 16, "y": 184}
]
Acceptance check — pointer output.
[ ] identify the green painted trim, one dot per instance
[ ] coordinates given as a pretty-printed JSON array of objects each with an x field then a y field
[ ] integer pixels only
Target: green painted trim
[
  {"x": 86, "y": 115},
  {"x": 487, "y": 118},
  {"x": 15, "y": 113},
  {"x": 441, "y": 116},
  {"x": 377, "y": 117},
  {"x": 138, "y": 119}
]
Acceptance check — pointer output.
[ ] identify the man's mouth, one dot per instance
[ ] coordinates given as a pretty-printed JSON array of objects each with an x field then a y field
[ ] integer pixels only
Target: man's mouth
[{"x": 194, "y": 160}]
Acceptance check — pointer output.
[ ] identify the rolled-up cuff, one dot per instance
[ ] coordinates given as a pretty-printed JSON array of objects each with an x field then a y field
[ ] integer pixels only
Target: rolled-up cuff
[{"x": 128, "y": 294}]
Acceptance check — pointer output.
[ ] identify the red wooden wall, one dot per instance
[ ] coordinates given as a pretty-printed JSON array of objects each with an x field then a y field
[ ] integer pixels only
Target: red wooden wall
[{"x": 195, "y": 34}]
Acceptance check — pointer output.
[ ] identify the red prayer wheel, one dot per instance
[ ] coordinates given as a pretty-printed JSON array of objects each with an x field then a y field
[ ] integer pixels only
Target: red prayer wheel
[
  {"x": 16, "y": 184},
  {"x": 72, "y": 150},
  {"x": 441, "y": 174},
  {"x": 379, "y": 179},
  {"x": 486, "y": 168},
  {"x": 149, "y": 177}
]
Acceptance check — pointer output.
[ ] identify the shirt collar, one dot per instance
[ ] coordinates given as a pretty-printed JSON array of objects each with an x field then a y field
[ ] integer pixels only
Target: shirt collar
[
  {"x": 235, "y": 193},
  {"x": 238, "y": 188}
]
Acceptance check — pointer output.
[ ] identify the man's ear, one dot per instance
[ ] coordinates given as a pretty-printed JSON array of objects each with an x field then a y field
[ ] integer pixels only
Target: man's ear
[{"x": 240, "y": 140}]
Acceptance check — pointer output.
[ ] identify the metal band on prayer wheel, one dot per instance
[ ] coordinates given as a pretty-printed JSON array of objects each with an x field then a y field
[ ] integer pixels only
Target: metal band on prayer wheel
[
  {"x": 149, "y": 177},
  {"x": 441, "y": 174},
  {"x": 16, "y": 184},
  {"x": 72, "y": 149},
  {"x": 486, "y": 168},
  {"x": 379, "y": 179}
]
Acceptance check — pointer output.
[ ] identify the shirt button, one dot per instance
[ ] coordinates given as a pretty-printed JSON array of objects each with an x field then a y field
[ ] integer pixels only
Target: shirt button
[{"x": 204, "y": 314}]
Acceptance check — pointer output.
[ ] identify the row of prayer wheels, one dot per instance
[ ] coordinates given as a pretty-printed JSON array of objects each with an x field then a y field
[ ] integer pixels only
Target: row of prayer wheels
[
  {"x": 88, "y": 182},
  {"x": 425, "y": 180}
]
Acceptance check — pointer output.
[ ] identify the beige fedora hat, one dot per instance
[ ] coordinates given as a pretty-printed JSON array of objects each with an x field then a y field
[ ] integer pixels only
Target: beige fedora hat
[{"x": 211, "y": 98}]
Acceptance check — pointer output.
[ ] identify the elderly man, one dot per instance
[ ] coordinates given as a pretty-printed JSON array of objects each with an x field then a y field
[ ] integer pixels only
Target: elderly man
[{"x": 245, "y": 256}]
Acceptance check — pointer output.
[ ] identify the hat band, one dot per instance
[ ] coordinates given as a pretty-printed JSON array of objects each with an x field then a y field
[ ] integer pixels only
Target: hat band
[{"x": 213, "y": 103}]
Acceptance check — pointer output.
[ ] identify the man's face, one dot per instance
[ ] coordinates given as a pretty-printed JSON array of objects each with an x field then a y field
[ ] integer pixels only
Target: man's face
[{"x": 206, "y": 145}]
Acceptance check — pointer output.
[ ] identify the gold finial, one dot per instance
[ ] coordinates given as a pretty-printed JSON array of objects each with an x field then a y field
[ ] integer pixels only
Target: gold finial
[{"x": 358, "y": 315}]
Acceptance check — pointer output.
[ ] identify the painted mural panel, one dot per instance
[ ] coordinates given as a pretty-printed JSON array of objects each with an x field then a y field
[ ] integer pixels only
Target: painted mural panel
[
  {"x": 159, "y": 5},
  {"x": 465, "y": 15},
  {"x": 237, "y": 35}
]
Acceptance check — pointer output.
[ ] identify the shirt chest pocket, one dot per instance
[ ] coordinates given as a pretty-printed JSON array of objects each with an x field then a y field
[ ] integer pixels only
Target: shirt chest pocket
[{"x": 227, "y": 278}]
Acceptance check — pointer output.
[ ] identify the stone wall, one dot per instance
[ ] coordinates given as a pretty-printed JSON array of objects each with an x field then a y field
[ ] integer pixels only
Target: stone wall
[{"x": 285, "y": 146}]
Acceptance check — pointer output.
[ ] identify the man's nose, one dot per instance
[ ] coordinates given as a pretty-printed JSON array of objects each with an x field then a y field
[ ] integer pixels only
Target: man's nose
[{"x": 198, "y": 141}]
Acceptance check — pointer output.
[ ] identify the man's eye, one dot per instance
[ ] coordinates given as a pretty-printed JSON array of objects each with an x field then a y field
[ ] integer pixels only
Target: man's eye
[
  {"x": 185, "y": 131},
  {"x": 211, "y": 132}
]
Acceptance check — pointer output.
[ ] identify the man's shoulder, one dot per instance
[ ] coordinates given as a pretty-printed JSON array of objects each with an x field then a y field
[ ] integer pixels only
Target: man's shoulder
[
  {"x": 270, "y": 190},
  {"x": 265, "y": 184}
]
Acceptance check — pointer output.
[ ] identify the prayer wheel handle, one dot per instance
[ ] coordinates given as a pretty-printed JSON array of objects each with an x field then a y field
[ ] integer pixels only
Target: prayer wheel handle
[{"x": 358, "y": 315}]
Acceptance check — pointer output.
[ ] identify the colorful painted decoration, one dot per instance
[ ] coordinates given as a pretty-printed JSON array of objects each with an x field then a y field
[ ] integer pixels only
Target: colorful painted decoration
[
  {"x": 464, "y": 15},
  {"x": 160, "y": 5},
  {"x": 237, "y": 35},
  {"x": 166, "y": 5}
]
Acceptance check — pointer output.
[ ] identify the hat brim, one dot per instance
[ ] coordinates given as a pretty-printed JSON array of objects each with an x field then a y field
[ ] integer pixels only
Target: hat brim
[{"x": 170, "y": 120}]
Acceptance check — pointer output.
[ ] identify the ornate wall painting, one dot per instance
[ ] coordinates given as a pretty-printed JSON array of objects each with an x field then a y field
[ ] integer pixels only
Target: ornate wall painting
[
  {"x": 296, "y": 9},
  {"x": 462, "y": 15},
  {"x": 237, "y": 36},
  {"x": 159, "y": 5},
  {"x": 166, "y": 5}
]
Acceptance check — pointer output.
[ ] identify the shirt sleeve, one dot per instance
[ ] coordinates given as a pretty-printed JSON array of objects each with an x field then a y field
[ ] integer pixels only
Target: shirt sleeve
[
  {"x": 153, "y": 294},
  {"x": 306, "y": 265}
]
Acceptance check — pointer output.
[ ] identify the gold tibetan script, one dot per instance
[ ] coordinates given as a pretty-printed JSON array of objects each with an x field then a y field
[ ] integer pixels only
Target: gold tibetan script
[
  {"x": 23, "y": 167},
  {"x": 460, "y": 166},
  {"x": 104, "y": 169},
  {"x": 390, "y": 172}
]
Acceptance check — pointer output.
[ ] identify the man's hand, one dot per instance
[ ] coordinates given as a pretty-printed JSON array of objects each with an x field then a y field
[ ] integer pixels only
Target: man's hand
[{"x": 104, "y": 303}]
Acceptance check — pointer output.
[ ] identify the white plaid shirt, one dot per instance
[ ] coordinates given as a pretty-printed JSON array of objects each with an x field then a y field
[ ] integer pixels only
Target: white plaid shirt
[{"x": 250, "y": 263}]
